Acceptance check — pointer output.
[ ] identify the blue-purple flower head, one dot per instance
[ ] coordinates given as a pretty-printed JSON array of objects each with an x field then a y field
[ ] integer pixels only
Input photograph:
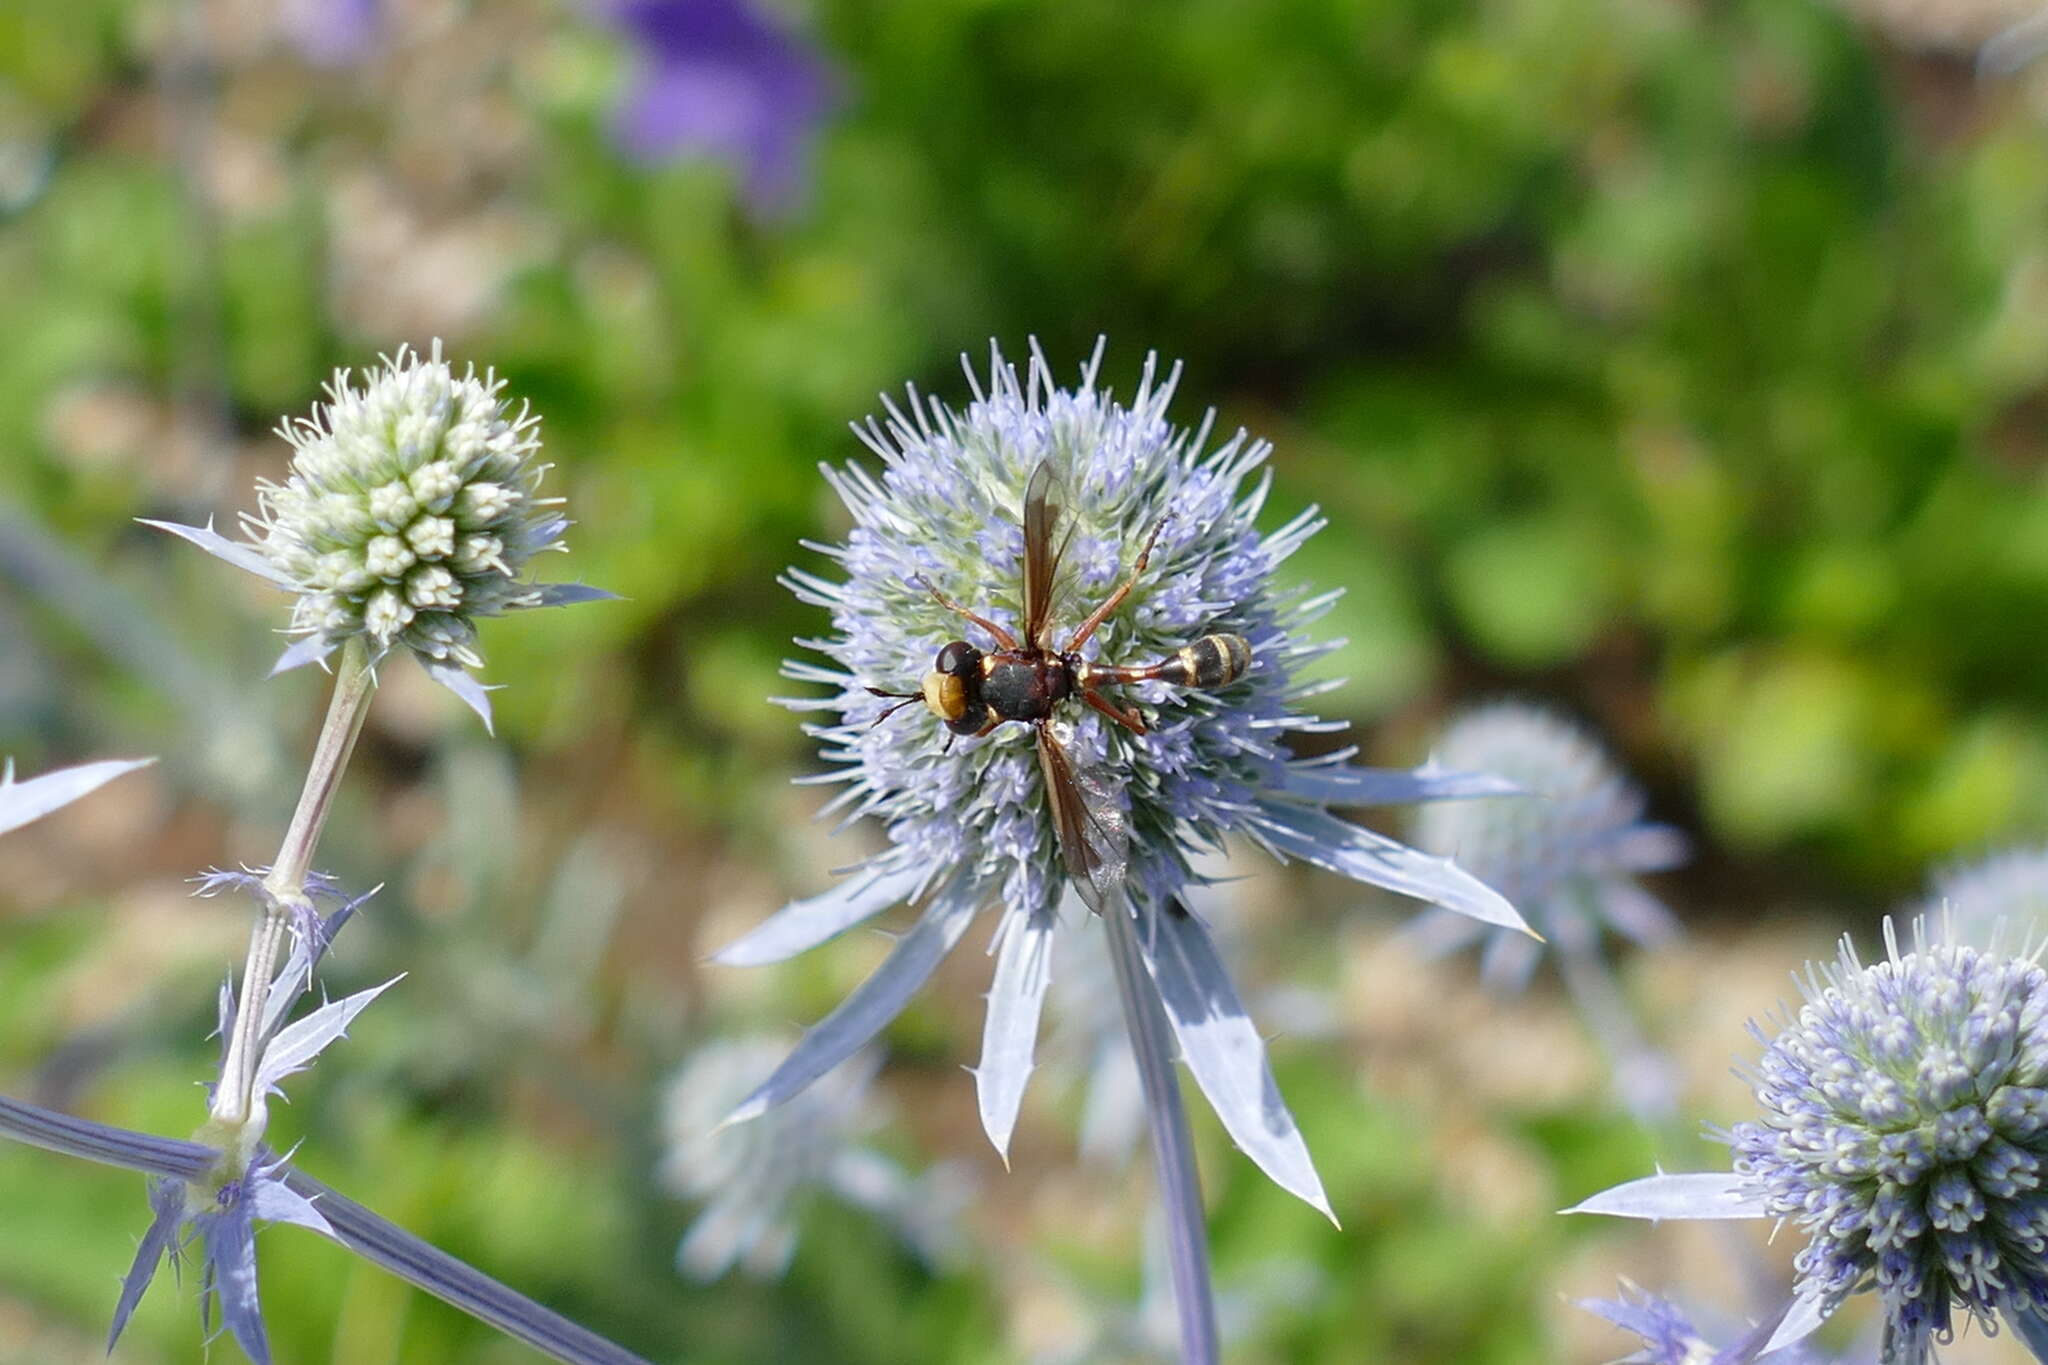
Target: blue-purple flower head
[
  {"x": 968, "y": 820},
  {"x": 946, "y": 512},
  {"x": 1904, "y": 1129},
  {"x": 725, "y": 79},
  {"x": 1567, "y": 854}
]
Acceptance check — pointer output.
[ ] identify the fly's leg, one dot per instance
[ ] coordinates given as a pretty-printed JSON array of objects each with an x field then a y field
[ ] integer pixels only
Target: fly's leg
[
  {"x": 1129, "y": 719},
  {"x": 1115, "y": 599},
  {"x": 1002, "y": 637}
]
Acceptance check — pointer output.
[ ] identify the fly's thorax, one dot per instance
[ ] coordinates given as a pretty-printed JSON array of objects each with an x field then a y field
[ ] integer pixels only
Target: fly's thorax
[{"x": 1020, "y": 685}]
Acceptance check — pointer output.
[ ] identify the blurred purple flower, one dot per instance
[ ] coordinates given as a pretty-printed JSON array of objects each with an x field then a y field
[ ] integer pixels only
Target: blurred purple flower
[
  {"x": 725, "y": 79},
  {"x": 332, "y": 32}
]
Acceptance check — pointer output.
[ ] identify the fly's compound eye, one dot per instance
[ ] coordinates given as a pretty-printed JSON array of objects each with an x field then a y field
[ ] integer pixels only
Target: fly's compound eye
[{"x": 958, "y": 660}]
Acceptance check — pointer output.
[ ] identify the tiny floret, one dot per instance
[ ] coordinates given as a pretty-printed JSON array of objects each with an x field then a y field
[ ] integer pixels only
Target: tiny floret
[{"x": 751, "y": 1177}]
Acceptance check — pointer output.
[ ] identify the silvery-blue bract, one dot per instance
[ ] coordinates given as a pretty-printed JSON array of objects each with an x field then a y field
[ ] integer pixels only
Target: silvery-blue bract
[
  {"x": 1669, "y": 1337},
  {"x": 21, "y": 802},
  {"x": 968, "y": 822},
  {"x": 751, "y": 1177},
  {"x": 1904, "y": 1130}
]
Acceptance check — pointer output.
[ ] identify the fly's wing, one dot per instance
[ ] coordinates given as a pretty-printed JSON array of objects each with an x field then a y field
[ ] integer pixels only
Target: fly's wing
[
  {"x": 1094, "y": 840},
  {"x": 1044, "y": 500}
]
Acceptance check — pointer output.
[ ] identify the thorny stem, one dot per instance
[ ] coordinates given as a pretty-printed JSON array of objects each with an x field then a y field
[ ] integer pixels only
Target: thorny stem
[
  {"x": 285, "y": 886},
  {"x": 1173, "y": 1153}
]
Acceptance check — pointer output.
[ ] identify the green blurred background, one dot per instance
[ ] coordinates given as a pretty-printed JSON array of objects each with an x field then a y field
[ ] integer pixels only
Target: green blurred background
[{"x": 1682, "y": 364}]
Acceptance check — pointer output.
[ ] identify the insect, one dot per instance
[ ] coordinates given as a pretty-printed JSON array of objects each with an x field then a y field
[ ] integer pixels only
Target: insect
[{"x": 973, "y": 690}]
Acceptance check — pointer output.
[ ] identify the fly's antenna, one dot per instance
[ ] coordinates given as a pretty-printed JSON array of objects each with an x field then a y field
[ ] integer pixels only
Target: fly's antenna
[{"x": 907, "y": 698}]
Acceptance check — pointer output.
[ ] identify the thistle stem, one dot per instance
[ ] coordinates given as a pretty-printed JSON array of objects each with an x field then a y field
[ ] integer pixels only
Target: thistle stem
[
  {"x": 1173, "y": 1152},
  {"x": 285, "y": 886},
  {"x": 1641, "y": 1073}
]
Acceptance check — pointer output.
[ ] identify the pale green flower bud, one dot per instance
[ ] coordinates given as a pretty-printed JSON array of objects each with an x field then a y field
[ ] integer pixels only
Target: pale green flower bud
[
  {"x": 432, "y": 537},
  {"x": 431, "y": 585},
  {"x": 387, "y": 557},
  {"x": 409, "y": 497},
  {"x": 412, "y": 507},
  {"x": 435, "y": 485},
  {"x": 392, "y": 506}
]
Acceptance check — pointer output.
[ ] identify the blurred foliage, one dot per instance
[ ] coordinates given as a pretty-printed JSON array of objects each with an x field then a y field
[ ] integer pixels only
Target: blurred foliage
[{"x": 1684, "y": 363}]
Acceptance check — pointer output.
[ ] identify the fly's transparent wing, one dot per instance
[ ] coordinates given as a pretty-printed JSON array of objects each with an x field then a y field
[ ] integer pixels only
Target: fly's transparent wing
[
  {"x": 1044, "y": 501},
  {"x": 1094, "y": 838}
]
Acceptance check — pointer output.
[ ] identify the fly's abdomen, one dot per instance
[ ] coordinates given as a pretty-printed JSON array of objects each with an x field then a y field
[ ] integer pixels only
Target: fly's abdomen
[{"x": 1212, "y": 661}]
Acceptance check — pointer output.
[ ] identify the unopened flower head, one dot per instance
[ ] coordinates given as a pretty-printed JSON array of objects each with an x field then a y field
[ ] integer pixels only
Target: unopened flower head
[
  {"x": 969, "y": 817},
  {"x": 1566, "y": 854},
  {"x": 1905, "y": 1127},
  {"x": 412, "y": 508},
  {"x": 751, "y": 1177}
]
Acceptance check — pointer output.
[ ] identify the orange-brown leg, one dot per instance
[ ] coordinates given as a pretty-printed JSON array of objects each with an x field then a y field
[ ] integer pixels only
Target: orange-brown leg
[
  {"x": 1130, "y": 720},
  {"x": 1002, "y": 637},
  {"x": 1115, "y": 599}
]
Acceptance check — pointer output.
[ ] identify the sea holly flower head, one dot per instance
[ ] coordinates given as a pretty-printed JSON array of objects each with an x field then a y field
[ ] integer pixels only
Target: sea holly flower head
[
  {"x": 751, "y": 1177},
  {"x": 1904, "y": 1129},
  {"x": 968, "y": 818},
  {"x": 1567, "y": 856},
  {"x": 412, "y": 510}
]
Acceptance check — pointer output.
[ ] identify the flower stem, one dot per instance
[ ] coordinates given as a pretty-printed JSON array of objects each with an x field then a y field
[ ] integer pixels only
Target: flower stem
[
  {"x": 285, "y": 886},
  {"x": 1173, "y": 1153},
  {"x": 45, "y": 1128}
]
